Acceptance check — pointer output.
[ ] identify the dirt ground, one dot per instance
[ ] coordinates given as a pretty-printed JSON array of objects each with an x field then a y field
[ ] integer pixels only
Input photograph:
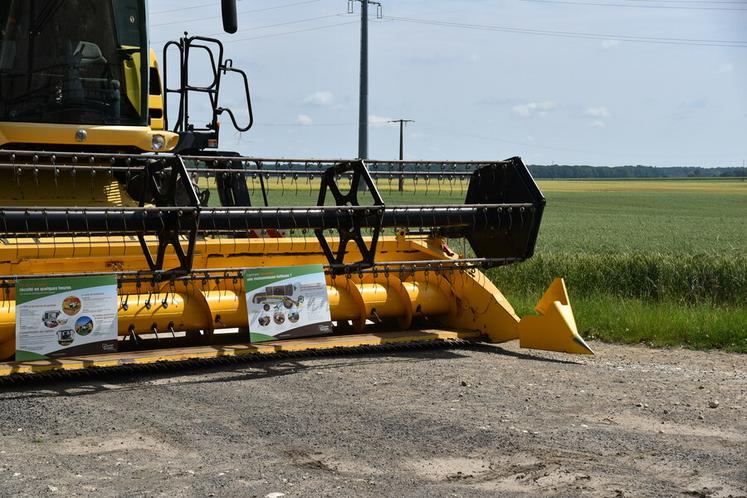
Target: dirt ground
[{"x": 493, "y": 421}]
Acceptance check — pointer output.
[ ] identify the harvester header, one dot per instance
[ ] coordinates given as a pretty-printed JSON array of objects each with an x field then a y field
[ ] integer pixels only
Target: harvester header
[{"x": 128, "y": 238}]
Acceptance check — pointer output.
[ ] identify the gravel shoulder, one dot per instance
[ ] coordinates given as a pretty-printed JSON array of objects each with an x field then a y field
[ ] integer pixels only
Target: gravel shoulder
[{"x": 492, "y": 421}]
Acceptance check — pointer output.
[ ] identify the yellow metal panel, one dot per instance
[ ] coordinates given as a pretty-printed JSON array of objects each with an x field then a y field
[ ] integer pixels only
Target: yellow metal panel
[
  {"x": 132, "y": 70},
  {"x": 555, "y": 328},
  {"x": 156, "y": 101},
  {"x": 113, "y": 137},
  {"x": 206, "y": 352}
]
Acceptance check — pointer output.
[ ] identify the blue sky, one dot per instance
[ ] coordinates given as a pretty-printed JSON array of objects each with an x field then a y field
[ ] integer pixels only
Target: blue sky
[{"x": 483, "y": 79}]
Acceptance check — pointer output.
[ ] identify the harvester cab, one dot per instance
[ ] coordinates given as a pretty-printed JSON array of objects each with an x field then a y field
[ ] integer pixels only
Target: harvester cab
[{"x": 108, "y": 222}]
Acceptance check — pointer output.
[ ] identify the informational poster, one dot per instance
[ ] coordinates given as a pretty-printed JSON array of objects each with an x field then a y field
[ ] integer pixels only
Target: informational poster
[
  {"x": 65, "y": 316},
  {"x": 287, "y": 302}
]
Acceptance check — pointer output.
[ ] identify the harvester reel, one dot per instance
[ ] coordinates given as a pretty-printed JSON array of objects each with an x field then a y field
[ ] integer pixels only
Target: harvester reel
[
  {"x": 168, "y": 185},
  {"x": 349, "y": 225},
  {"x": 513, "y": 204}
]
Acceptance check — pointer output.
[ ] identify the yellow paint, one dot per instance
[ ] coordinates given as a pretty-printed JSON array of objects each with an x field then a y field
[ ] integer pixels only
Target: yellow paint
[
  {"x": 46, "y": 189},
  {"x": 463, "y": 300},
  {"x": 206, "y": 352},
  {"x": 645, "y": 185},
  {"x": 113, "y": 137},
  {"x": 555, "y": 327},
  {"x": 132, "y": 71},
  {"x": 155, "y": 102}
]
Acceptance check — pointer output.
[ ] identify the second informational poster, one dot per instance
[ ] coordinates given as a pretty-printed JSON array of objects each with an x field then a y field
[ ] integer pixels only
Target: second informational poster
[
  {"x": 287, "y": 302},
  {"x": 65, "y": 316}
]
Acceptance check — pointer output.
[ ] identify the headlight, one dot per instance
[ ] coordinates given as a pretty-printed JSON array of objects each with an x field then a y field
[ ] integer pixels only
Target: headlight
[{"x": 159, "y": 142}]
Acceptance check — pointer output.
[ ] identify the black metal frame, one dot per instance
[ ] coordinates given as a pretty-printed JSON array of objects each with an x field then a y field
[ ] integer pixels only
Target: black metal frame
[
  {"x": 194, "y": 138},
  {"x": 163, "y": 181},
  {"x": 349, "y": 227},
  {"x": 500, "y": 217}
]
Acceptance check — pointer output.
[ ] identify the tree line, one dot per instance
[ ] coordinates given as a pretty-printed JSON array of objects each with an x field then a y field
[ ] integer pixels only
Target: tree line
[{"x": 566, "y": 171}]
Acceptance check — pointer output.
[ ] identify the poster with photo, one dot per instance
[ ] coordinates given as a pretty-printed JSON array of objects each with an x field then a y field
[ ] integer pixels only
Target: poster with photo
[
  {"x": 287, "y": 302},
  {"x": 66, "y": 316}
]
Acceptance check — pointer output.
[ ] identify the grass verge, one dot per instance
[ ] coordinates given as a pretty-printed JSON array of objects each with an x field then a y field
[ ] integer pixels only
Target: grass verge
[
  {"x": 681, "y": 280},
  {"x": 660, "y": 324}
]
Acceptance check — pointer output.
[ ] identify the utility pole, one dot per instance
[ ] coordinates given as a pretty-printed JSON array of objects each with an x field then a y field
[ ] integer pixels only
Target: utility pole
[
  {"x": 363, "y": 98},
  {"x": 402, "y": 123}
]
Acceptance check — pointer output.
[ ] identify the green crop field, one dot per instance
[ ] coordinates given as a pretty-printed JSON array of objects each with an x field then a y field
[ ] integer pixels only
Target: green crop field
[{"x": 662, "y": 262}]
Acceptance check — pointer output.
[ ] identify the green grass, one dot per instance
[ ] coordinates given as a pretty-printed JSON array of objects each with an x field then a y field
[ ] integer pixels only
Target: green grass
[
  {"x": 679, "y": 222},
  {"x": 683, "y": 280},
  {"x": 663, "y": 262},
  {"x": 658, "y": 324}
]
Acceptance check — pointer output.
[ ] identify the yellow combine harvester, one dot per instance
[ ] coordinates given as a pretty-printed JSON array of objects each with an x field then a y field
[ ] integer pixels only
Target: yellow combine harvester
[{"x": 127, "y": 240}]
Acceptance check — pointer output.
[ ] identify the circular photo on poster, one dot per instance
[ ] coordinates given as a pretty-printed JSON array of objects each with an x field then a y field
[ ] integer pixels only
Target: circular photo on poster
[
  {"x": 65, "y": 337},
  {"x": 51, "y": 319},
  {"x": 279, "y": 318},
  {"x": 84, "y": 325},
  {"x": 294, "y": 317},
  {"x": 264, "y": 321},
  {"x": 71, "y": 306}
]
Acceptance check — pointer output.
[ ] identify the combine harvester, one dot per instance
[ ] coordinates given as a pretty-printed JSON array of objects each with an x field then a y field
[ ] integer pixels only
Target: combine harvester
[{"x": 129, "y": 241}]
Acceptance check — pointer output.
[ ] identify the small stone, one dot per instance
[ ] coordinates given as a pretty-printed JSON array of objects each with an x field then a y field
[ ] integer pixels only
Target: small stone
[
  {"x": 464, "y": 383},
  {"x": 701, "y": 417},
  {"x": 713, "y": 404},
  {"x": 274, "y": 495},
  {"x": 52, "y": 489},
  {"x": 639, "y": 405}
]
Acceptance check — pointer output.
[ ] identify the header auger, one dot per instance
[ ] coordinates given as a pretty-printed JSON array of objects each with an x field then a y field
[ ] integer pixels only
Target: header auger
[{"x": 178, "y": 239}]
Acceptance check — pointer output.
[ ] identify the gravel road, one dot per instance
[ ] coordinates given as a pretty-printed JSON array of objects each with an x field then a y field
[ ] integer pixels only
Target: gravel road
[{"x": 491, "y": 421}]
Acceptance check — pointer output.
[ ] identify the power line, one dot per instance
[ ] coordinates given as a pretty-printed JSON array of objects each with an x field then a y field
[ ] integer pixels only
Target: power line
[
  {"x": 277, "y": 25},
  {"x": 402, "y": 123},
  {"x": 317, "y": 28},
  {"x": 363, "y": 94},
  {"x": 738, "y": 2},
  {"x": 636, "y": 6},
  {"x": 282, "y": 125},
  {"x": 449, "y": 131},
  {"x": 212, "y": 4},
  {"x": 572, "y": 34},
  {"x": 286, "y": 23}
]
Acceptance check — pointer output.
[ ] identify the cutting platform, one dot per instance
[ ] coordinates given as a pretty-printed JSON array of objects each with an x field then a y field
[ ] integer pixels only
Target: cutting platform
[{"x": 232, "y": 350}]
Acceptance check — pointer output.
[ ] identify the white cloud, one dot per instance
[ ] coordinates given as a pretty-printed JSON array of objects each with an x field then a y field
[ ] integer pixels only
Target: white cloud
[
  {"x": 598, "y": 124},
  {"x": 378, "y": 121},
  {"x": 610, "y": 43},
  {"x": 322, "y": 98},
  {"x": 597, "y": 112},
  {"x": 726, "y": 68},
  {"x": 534, "y": 109},
  {"x": 304, "y": 120}
]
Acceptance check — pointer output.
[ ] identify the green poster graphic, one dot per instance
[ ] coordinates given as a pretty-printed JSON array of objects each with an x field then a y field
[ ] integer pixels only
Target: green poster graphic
[
  {"x": 69, "y": 316},
  {"x": 287, "y": 302}
]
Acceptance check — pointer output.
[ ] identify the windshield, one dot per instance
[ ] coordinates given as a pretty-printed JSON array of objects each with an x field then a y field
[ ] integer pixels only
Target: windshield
[{"x": 73, "y": 61}]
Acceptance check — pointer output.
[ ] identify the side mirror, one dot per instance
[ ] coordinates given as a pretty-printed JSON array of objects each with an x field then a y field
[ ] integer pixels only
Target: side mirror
[{"x": 230, "y": 17}]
